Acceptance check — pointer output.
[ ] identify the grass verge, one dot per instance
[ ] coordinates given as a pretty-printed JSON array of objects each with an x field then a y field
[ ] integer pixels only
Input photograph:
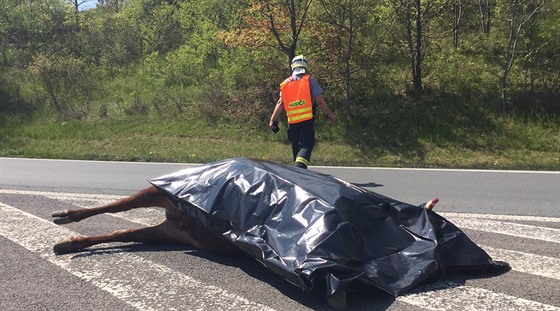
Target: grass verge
[{"x": 510, "y": 144}]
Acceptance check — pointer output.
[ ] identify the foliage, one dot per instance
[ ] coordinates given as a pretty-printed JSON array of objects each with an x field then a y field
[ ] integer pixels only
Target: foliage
[
  {"x": 221, "y": 61},
  {"x": 66, "y": 83}
]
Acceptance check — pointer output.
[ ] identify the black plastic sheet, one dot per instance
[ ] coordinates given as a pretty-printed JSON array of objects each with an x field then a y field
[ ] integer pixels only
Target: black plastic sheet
[{"x": 317, "y": 230}]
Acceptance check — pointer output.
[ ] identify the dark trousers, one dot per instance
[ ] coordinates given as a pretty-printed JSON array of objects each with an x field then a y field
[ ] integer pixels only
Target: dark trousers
[{"x": 302, "y": 137}]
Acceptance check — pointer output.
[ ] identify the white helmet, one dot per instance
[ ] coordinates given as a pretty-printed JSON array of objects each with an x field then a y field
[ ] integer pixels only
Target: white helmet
[{"x": 299, "y": 61}]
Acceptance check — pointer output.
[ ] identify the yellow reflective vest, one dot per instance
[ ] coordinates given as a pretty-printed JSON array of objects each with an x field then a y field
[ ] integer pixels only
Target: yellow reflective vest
[{"x": 296, "y": 96}]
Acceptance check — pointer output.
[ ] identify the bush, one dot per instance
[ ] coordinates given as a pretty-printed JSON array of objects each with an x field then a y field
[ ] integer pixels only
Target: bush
[{"x": 66, "y": 82}]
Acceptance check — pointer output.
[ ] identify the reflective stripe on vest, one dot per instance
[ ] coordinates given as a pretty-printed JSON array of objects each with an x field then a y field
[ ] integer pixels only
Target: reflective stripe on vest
[{"x": 296, "y": 96}]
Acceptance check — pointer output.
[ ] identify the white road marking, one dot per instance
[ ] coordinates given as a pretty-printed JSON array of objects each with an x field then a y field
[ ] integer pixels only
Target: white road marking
[
  {"x": 62, "y": 195},
  {"x": 438, "y": 296},
  {"x": 144, "y": 216},
  {"x": 142, "y": 284},
  {"x": 507, "y": 228},
  {"x": 500, "y": 217},
  {"x": 451, "y": 296},
  {"x": 91, "y": 200},
  {"x": 527, "y": 263}
]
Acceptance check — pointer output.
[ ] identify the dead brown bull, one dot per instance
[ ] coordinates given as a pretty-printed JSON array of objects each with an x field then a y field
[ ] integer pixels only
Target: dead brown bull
[{"x": 177, "y": 228}]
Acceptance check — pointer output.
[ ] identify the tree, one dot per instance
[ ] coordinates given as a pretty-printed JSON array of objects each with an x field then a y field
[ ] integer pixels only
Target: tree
[
  {"x": 272, "y": 24},
  {"x": 297, "y": 14},
  {"x": 67, "y": 82},
  {"x": 541, "y": 58},
  {"x": 458, "y": 12},
  {"x": 520, "y": 12},
  {"x": 77, "y": 4},
  {"x": 115, "y": 4},
  {"x": 156, "y": 24},
  {"x": 415, "y": 17},
  {"x": 347, "y": 17},
  {"x": 486, "y": 9},
  {"x": 407, "y": 12}
]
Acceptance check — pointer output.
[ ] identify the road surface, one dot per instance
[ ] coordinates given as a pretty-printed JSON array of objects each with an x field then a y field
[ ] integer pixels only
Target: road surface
[{"x": 514, "y": 216}]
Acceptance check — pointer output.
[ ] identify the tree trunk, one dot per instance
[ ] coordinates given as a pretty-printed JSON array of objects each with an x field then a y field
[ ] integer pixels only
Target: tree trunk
[
  {"x": 503, "y": 85},
  {"x": 457, "y": 15},
  {"x": 290, "y": 48},
  {"x": 348, "y": 56},
  {"x": 76, "y": 12},
  {"x": 417, "y": 72},
  {"x": 520, "y": 12},
  {"x": 485, "y": 10}
]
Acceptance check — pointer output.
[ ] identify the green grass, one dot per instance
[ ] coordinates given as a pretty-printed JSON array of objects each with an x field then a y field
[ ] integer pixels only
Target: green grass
[{"x": 496, "y": 144}]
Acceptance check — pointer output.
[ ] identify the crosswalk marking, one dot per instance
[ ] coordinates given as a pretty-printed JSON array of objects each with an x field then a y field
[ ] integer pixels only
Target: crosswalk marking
[
  {"x": 139, "y": 285},
  {"x": 451, "y": 296},
  {"x": 500, "y": 217},
  {"x": 512, "y": 229},
  {"x": 62, "y": 195},
  {"x": 144, "y": 290},
  {"x": 527, "y": 263}
]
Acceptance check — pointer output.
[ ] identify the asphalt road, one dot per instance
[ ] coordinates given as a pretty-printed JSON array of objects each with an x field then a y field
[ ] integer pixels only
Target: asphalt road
[
  {"x": 514, "y": 216},
  {"x": 470, "y": 191}
]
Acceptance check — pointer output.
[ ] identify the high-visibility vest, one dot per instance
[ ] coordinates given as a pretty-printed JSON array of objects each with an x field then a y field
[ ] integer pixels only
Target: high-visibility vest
[{"x": 296, "y": 96}]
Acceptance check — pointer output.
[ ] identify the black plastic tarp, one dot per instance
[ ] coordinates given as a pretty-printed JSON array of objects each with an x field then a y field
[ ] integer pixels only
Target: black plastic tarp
[{"x": 315, "y": 229}]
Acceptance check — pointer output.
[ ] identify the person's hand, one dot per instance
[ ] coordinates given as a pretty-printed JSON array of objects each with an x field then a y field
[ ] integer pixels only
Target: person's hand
[{"x": 273, "y": 125}]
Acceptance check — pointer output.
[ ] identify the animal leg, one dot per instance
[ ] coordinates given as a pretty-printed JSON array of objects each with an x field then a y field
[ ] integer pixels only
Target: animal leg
[
  {"x": 430, "y": 205},
  {"x": 149, "y": 197},
  {"x": 164, "y": 233}
]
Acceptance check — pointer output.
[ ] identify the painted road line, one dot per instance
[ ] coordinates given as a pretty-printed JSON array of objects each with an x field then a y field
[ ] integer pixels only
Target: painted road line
[
  {"x": 507, "y": 228},
  {"x": 500, "y": 217},
  {"x": 91, "y": 200},
  {"x": 142, "y": 285},
  {"x": 148, "y": 216},
  {"x": 464, "y": 221},
  {"x": 83, "y": 196},
  {"x": 452, "y": 296},
  {"x": 143, "y": 216},
  {"x": 519, "y": 261},
  {"x": 527, "y": 263}
]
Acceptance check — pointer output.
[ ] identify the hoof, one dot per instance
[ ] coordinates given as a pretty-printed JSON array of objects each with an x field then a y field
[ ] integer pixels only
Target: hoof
[
  {"x": 62, "y": 221},
  {"x": 63, "y": 247},
  {"x": 70, "y": 245},
  {"x": 62, "y": 217},
  {"x": 338, "y": 300},
  {"x": 430, "y": 205}
]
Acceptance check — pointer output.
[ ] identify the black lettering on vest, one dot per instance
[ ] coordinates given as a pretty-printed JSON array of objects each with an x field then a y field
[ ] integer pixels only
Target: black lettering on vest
[{"x": 297, "y": 103}]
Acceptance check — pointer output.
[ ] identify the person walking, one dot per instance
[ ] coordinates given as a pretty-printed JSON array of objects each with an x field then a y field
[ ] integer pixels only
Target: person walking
[{"x": 300, "y": 94}]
